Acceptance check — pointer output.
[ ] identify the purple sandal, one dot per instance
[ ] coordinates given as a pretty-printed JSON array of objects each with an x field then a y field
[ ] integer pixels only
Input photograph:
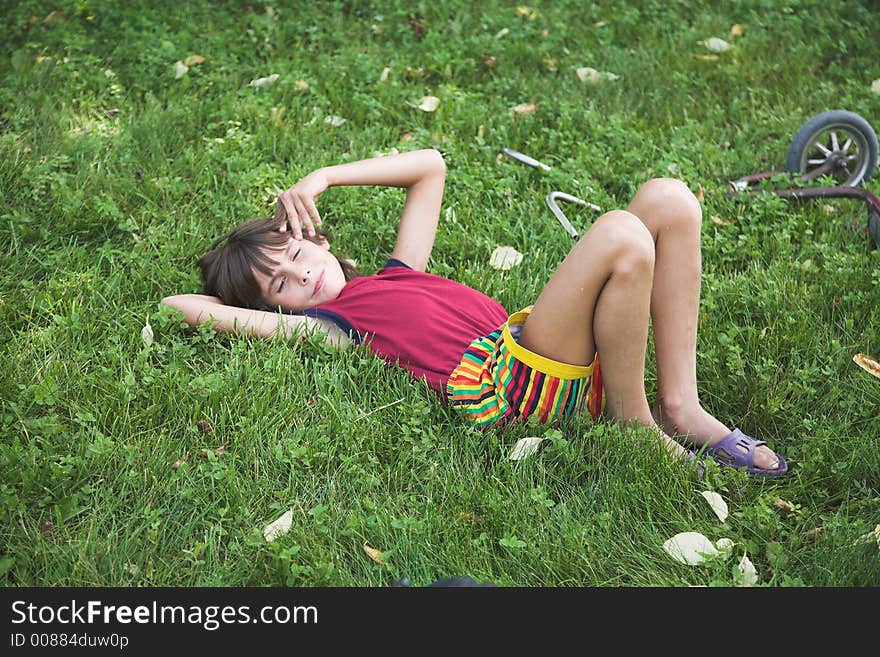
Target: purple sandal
[{"x": 727, "y": 452}]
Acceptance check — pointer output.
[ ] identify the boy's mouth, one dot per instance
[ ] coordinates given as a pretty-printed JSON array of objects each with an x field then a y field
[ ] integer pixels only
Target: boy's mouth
[{"x": 319, "y": 284}]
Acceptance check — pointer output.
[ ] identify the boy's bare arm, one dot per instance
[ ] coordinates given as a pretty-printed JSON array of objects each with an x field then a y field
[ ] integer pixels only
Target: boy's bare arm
[
  {"x": 200, "y": 308},
  {"x": 422, "y": 173}
]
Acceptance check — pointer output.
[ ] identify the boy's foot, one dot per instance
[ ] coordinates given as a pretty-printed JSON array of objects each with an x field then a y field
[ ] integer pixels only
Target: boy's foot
[
  {"x": 737, "y": 450},
  {"x": 701, "y": 428}
]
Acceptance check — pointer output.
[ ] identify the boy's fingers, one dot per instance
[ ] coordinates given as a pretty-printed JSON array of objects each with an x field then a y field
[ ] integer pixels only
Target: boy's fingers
[
  {"x": 313, "y": 211},
  {"x": 304, "y": 216},
  {"x": 289, "y": 209}
]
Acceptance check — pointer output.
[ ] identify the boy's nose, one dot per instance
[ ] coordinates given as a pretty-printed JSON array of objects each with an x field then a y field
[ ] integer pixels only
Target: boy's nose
[{"x": 304, "y": 275}]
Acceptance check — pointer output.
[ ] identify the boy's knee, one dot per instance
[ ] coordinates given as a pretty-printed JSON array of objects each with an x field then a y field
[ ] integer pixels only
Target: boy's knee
[
  {"x": 671, "y": 197},
  {"x": 627, "y": 238}
]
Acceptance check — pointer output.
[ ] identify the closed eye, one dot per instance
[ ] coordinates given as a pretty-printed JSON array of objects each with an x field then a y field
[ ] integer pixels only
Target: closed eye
[{"x": 283, "y": 280}]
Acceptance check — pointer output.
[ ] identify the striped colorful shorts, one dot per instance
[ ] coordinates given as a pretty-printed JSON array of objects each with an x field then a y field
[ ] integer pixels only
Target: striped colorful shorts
[{"x": 500, "y": 380}]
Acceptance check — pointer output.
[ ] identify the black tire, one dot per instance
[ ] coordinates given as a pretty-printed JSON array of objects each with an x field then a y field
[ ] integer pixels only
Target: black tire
[{"x": 818, "y": 139}]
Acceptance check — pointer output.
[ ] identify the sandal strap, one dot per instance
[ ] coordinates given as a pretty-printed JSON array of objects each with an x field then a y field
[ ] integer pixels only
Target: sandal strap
[{"x": 730, "y": 446}]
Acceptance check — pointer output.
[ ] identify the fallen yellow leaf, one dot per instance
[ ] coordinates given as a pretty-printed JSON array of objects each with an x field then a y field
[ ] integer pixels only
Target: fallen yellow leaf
[
  {"x": 524, "y": 108},
  {"x": 699, "y": 193},
  {"x": 737, "y": 30},
  {"x": 783, "y": 506},
  {"x": 374, "y": 554},
  {"x": 528, "y": 12},
  {"x": 192, "y": 60},
  {"x": 720, "y": 221}
]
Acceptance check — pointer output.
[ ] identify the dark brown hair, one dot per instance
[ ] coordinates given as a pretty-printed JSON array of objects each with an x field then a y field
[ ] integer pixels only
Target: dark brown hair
[{"x": 227, "y": 268}]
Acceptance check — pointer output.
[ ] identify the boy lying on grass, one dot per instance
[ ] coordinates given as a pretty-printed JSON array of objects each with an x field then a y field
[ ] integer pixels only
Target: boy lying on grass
[{"x": 491, "y": 366}]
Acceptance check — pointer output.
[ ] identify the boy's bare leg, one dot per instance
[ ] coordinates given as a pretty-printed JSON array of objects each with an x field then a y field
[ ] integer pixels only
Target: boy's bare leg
[
  {"x": 673, "y": 216},
  {"x": 600, "y": 298}
]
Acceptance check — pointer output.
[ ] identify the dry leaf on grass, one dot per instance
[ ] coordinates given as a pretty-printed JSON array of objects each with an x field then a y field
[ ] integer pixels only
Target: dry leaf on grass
[
  {"x": 384, "y": 75},
  {"x": 262, "y": 82},
  {"x": 737, "y": 30},
  {"x": 868, "y": 364},
  {"x": 147, "y": 333},
  {"x": 374, "y": 554},
  {"x": 720, "y": 221},
  {"x": 528, "y": 12},
  {"x": 714, "y": 44},
  {"x": 180, "y": 69},
  {"x": 177, "y": 464},
  {"x": 278, "y": 527},
  {"x": 194, "y": 60},
  {"x": 783, "y": 506},
  {"x": 429, "y": 103},
  {"x": 592, "y": 76},
  {"x": 719, "y": 506},
  {"x": 300, "y": 85},
  {"x": 875, "y": 86},
  {"x": 523, "y": 108},
  {"x": 746, "y": 575},
  {"x": 335, "y": 121},
  {"x": 815, "y": 532},
  {"x": 505, "y": 257},
  {"x": 525, "y": 447},
  {"x": 690, "y": 548}
]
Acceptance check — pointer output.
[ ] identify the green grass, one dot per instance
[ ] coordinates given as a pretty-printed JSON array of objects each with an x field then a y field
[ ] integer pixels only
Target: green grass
[{"x": 116, "y": 176}]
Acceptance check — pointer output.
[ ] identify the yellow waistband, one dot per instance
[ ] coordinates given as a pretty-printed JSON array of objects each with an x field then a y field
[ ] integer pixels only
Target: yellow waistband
[{"x": 537, "y": 361}]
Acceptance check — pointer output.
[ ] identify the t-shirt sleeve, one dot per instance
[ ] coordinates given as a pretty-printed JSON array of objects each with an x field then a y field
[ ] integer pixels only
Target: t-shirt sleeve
[{"x": 394, "y": 262}]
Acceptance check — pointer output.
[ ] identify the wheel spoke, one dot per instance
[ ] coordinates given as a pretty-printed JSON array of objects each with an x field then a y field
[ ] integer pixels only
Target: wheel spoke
[
  {"x": 834, "y": 144},
  {"x": 822, "y": 161},
  {"x": 824, "y": 150},
  {"x": 854, "y": 156},
  {"x": 846, "y": 145}
]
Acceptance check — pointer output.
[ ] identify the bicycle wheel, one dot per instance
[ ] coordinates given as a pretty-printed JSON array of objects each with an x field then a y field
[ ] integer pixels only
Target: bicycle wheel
[{"x": 840, "y": 135}]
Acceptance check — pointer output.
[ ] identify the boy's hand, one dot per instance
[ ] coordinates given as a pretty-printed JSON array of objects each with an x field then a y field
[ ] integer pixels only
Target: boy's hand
[{"x": 295, "y": 208}]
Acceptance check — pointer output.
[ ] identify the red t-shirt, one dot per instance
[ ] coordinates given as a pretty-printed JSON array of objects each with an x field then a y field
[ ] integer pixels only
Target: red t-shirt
[{"x": 417, "y": 320}]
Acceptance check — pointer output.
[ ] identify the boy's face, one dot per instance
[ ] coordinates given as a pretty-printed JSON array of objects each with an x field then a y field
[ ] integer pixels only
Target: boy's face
[{"x": 306, "y": 275}]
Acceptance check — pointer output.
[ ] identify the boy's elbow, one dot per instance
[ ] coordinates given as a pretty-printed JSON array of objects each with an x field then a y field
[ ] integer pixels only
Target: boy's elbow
[
  {"x": 172, "y": 301},
  {"x": 437, "y": 161}
]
